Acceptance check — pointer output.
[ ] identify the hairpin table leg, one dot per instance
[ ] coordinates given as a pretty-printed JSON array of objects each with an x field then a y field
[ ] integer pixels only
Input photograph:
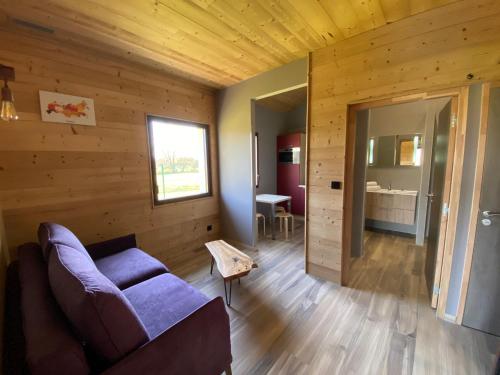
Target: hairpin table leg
[{"x": 228, "y": 300}]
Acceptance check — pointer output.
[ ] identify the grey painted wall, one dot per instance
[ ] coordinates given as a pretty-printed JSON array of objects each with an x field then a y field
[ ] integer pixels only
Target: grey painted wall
[
  {"x": 235, "y": 136},
  {"x": 269, "y": 124},
  {"x": 399, "y": 119},
  {"x": 466, "y": 190},
  {"x": 407, "y": 118},
  {"x": 295, "y": 120}
]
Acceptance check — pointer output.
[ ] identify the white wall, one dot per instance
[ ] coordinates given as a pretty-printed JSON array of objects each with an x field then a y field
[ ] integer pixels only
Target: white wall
[{"x": 235, "y": 136}]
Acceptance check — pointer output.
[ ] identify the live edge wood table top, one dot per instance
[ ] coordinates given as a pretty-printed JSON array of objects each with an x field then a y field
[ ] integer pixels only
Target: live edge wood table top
[{"x": 231, "y": 263}]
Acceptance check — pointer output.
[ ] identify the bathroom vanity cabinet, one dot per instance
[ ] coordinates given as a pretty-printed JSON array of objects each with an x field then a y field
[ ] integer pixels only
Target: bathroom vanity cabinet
[{"x": 394, "y": 206}]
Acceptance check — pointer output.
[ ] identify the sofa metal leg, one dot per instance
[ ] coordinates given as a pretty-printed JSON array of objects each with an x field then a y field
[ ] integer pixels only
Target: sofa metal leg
[{"x": 212, "y": 265}]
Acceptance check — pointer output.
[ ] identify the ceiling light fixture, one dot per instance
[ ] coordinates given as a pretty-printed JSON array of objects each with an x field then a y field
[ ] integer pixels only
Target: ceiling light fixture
[{"x": 8, "y": 111}]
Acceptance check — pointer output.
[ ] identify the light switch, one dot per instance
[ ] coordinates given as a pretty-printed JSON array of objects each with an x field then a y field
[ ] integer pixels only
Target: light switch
[{"x": 336, "y": 185}]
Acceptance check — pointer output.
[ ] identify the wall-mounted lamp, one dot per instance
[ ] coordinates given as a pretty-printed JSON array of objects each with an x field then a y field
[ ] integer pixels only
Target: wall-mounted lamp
[{"x": 8, "y": 111}]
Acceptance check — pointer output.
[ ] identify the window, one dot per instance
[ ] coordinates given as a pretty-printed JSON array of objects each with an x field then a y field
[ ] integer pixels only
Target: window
[
  {"x": 410, "y": 150},
  {"x": 256, "y": 160},
  {"x": 180, "y": 165},
  {"x": 406, "y": 152}
]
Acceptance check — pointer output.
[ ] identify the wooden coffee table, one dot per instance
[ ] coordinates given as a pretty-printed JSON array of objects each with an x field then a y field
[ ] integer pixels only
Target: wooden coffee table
[{"x": 231, "y": 263}]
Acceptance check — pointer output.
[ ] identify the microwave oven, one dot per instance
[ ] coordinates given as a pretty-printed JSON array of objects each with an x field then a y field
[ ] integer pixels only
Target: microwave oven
[{"x": 289, "y": 155}]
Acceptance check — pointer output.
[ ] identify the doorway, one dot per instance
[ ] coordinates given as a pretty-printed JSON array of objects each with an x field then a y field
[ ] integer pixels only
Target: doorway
[
  {"x": 279, "y": 155},
  {"x": 398, "y": 181}
]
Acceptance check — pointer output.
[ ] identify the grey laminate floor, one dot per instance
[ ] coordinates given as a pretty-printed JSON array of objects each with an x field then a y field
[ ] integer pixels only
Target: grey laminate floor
[{"x": 286, "y": 322}]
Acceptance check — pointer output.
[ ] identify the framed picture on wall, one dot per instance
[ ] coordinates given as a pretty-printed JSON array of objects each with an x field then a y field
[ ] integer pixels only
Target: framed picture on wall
[{"x": 68, "y": 109}]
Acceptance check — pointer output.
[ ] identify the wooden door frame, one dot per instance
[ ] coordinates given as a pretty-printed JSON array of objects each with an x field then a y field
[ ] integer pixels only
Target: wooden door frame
[
  {"x": 444, "y": 257},
  {"x": 444, "y": 220},
  {"x": 476, "y": 196}
]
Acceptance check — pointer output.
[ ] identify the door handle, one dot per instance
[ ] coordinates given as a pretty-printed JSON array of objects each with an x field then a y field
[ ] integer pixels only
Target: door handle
[
  {"x": 490, "y": 213},
  {"x": 430, "y": 195}
]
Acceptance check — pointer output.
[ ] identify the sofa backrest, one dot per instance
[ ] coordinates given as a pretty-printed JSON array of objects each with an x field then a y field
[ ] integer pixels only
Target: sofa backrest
[
  {"x": 50, "y": 234},
  {"x": 96, "y": 308},
  {"x": 51, "y": 346}
]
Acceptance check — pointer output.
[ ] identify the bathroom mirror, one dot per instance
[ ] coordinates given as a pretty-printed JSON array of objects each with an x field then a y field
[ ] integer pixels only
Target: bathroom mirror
[
  {"x": 385, "y": 153},
  {"x": 381, "y": 151},
  {"x": 390, "y": 151}
]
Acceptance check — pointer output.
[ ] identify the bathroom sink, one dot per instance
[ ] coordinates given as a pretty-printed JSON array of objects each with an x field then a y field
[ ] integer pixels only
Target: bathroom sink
[{"x": 397, "y": 191}]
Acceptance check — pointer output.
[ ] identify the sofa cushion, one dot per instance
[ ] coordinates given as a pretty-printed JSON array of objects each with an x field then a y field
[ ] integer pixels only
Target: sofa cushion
[
  {"x": 50, "y": 234},
  {"x": 96, "y": 308},
  {"x": 129, "y": 267},
  {"x": 162, "y": 301},
  {"x": 51, "y": 346}
]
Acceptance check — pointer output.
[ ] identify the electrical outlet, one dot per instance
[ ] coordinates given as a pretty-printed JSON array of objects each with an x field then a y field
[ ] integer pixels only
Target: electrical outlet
[{"x": 209, "y": 227}]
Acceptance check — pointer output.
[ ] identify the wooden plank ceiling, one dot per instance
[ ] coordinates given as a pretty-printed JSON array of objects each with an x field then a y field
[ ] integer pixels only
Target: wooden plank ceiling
[
  {"x": 285, "y": 101},
  {"x": 216, "y": 42}
]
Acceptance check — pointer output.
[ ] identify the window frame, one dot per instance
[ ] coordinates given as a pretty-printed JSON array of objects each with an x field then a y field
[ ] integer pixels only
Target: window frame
[{"x": 152, "y": 169}]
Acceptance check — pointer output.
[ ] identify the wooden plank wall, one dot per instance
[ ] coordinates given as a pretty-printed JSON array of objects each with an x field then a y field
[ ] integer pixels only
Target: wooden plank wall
[
  {"x": 429, "y": 51},
  {"x": 3, "y": 274},
  {"x": 96, "y": 180}
]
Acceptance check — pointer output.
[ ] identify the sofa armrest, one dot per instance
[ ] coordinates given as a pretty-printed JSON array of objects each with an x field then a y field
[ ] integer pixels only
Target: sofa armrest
[
  {"x": 110, "y": 247},
  {"x": 199, "y": 345}
]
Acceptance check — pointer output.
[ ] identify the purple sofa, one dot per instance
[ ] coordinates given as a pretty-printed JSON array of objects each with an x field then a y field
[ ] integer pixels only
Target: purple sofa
[{"x": 111, "y": 308}]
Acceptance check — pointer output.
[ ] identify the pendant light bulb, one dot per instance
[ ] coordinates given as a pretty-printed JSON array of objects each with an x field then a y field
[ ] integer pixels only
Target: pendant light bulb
[{"x": 8, "y": 111}]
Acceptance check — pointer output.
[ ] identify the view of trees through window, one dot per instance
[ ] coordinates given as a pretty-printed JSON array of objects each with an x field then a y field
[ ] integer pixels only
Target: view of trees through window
[{"x": 179, "y": 152}]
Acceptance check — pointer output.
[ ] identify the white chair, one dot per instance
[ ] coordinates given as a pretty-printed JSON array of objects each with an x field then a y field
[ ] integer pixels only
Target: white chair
[
  {"x": 283, "y": 217},
  {"x": 260, "y": 216},
  {"x": 280, "y": 209}
]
